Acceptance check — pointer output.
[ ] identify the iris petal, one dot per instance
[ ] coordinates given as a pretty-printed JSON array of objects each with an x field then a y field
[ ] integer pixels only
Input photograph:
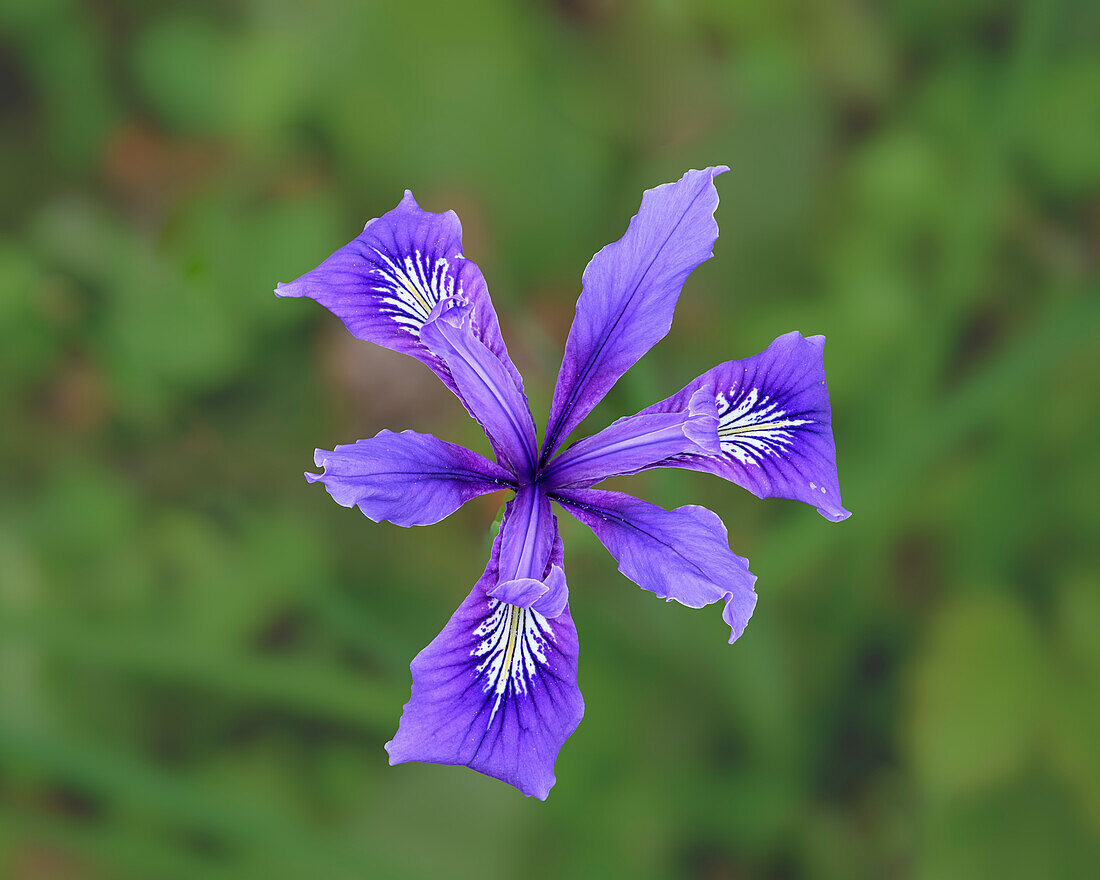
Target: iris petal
[
  {"x": 409, "y": 479},
  {"x": 483, "y": 385},
  {"x": 774, "y": 424},
  {"x": 496, "y": 690},
  {"x": 638, "y": 442},
  {"x": 528, "y": 534},
  {"x": 630, "y": 290},
  {"x": 385, "y": 283},
  {"x": 680, "y": 554}
]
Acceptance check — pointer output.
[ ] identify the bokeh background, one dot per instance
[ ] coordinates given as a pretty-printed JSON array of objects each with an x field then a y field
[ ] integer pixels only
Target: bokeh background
[{"x": 201, "y": 655}]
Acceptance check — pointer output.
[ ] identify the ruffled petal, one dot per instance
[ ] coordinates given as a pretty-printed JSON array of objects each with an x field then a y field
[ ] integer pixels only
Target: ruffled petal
[
  {"x": 408, "y": 479},
  {"x": 774, "y": 424},
  {"x": 680, "y": 554},
  {"x": 630, "y": 289},
  {"x": 483, "y": 384},
  {"x": 496, "y": 690},
  {"x": 384, "y": 283},
  {"x": 638, "y": 442}
]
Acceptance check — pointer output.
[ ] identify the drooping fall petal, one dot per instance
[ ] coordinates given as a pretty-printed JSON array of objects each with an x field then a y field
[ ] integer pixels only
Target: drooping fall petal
[
  {"x": 386, "y": 281},
  {"x": 774, "y": 424},
  {"x": 496, "y": 690}
]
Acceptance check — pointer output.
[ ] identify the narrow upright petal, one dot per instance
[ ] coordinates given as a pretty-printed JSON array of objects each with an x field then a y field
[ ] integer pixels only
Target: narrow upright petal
[
  {"x": 548, "y": 596},
  {"x": 527, "y": 576},
  {"x": 408, "y": 479},
  {"x": 774, "y": 424},
  {"x": 638, "y": 442},
  {"x": 629, "y": 294},
  {"x": 483, "y": 384},
  {"x": 496, "y": 690},
  {"x": 680, "y": 554},
  {"x": 384, "y": 283}
]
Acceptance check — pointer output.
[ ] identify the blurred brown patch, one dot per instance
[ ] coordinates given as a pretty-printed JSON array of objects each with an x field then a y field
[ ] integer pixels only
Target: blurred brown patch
[
  {"x": 687, "y": 116},
  {"x": 70, "y": 802},
  {"x": 981, "y": 333},
  {"x": 488, "y": 505},
  {"x": 78, "y": 398},
  {"x": 17, "y": 100},
  {"x": 859, "y": 117},
  {"x": 31, "y": 862},
  {"x": 708, "y": 861},
  {"x": 281, "y": 632},
  {"x": 60, "y": 302},
  {"x": 997, "y": 31},
  {"x": 551, "y": 308},
  {"x": 377, "y": 387},
  {"x": 588, "y": 13},
  {"x": 477, "y": 238},
  {"x": 916, "y": 570},
  {"x": 301, "y": 180},
  {"x": 150, "y": 170}
]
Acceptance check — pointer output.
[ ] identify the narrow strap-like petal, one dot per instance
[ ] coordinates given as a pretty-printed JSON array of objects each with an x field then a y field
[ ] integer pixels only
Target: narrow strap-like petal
[
  {"x": 548, "y": 596},
  {"x": 774, "y": 424},
  {"x": 637, "y": 442},
  {"x": 629, "y": 294},
  {"x": 495, "y": 691},
  {"x": 528, "y": 535},
  {"x": 483, "y": 384},
  {"x": 680, "y": 554},
  {"x": 384, "y": 283},
  {"x": 409, "y": 479}
]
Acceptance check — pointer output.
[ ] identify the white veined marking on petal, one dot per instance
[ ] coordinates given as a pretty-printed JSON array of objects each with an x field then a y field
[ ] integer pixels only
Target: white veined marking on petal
[
  {"x": 411, "y": 289},
  {"x": 752, "y": 427},
  {"x": 512, "y": 646}
]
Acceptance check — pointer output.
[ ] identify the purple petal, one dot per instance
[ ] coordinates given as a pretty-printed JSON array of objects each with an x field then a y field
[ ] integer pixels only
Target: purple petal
[
  {"x": 680, "y": 554},
  {"x": 528, "y": 535},
  {"x": 384, "y": 284},
  {"x": 630, "y": 289},
  {"x": 638, "y": 442},
  {"x": 774, "y": 424},
  {"x": 409, "y": 479},
  {"x": 547, "y": 597},
  {"x": 556, "y": 598},
  {"x": 483, "y": 384},
  {"x": 495, "y": 691}
]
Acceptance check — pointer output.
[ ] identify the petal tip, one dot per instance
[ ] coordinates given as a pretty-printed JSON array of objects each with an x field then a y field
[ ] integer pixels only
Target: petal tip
[
  {"x": 738, "y": 619},
  {"x": 521, "y": 592},
  {"x": 834, "y": 514}
]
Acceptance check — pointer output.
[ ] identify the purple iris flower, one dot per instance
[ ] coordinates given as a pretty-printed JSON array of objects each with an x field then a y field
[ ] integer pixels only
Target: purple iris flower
[{"x": 497, "y": 689}]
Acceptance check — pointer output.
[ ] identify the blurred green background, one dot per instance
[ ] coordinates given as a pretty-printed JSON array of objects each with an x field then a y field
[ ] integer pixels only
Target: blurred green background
[{"x": 201, "y": 656}]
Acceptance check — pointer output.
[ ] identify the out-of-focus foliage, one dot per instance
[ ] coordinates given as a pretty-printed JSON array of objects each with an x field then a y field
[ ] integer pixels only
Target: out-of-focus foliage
[{"x": 201, "y": 656}]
